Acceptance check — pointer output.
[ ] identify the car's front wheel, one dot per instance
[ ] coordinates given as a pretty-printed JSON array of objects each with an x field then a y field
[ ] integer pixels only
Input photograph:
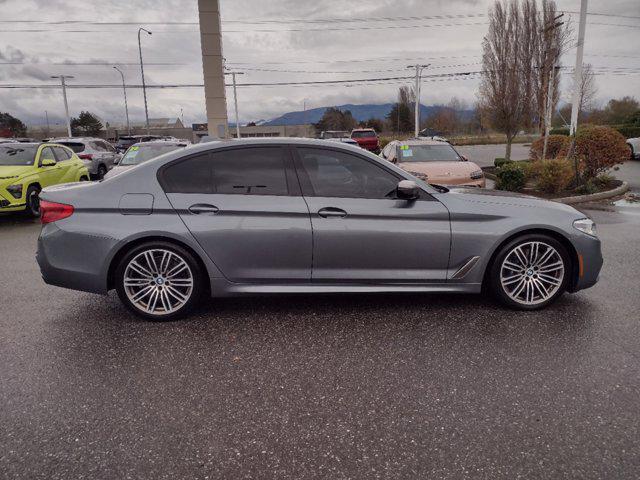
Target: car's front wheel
[
  {"x": 530, "y": 272},
  {"x": 33, "y": 201},
  {"x": 159, "y": 281}
]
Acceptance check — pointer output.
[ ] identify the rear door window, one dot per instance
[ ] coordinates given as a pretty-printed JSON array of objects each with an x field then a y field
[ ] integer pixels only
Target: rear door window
[
  {"x": 241, "y": 171},
  {"x": 62, "y": 154},
  {"x": 77, "y": 147}
]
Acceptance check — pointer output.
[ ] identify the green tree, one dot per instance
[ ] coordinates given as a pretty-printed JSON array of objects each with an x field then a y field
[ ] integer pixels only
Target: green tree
[
  {"x": 375, "y": 123},
  {"x": 401, "y": 116},
  {"x": 335, "y": 119},
  {"x": 10, "y": 126},
  {"x": 86, "y": 124},
  {"x": 621, "y": 111}
]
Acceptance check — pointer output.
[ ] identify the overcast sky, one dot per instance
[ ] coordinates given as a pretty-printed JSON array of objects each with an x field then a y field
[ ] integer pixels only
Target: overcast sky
[{"x": 360, "y": 49}]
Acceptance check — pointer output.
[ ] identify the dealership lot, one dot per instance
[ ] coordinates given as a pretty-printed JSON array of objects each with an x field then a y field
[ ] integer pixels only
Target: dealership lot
[{"x": 301, "y": 387}]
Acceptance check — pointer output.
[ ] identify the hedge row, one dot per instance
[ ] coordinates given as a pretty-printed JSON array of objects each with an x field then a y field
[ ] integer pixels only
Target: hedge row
[{"x": 628, "y": 131}]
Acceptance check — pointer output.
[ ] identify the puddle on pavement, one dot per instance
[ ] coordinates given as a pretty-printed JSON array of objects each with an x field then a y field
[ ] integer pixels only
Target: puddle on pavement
[{"x": 629, "y": 204}]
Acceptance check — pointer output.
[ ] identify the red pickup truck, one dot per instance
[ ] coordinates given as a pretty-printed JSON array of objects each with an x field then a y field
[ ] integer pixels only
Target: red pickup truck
[{"x": 367, "y": 138}]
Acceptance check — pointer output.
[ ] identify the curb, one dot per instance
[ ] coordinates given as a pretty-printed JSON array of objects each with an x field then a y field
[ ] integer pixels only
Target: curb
[{"x": 594, "y": 196}]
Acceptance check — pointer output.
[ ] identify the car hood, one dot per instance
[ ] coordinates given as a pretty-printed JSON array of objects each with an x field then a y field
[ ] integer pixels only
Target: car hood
[
  {"x": 500, "y": 197},
  {"x": 440, "y": 169},
  {"x": 12, "y": 171}
]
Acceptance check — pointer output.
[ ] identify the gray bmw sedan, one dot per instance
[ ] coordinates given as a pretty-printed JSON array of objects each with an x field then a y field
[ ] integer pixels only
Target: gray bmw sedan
[{"x": 303, "y": 216}]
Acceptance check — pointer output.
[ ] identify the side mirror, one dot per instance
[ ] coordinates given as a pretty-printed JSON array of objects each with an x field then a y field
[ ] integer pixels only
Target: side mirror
[
  {"x": 48, "y": 162},
  {"x": 408, "y": 190}
]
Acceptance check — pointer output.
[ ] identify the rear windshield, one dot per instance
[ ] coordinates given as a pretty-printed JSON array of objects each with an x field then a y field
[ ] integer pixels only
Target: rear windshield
[
  {"x": 141, "y": 153},
  {"x": 123, "y": 140},
  {"x": 427, "y": 153},
  {"x": 369, "y": 133},
  {"x": 17, "y": 155},
  {"x": 77, "y": 147}
]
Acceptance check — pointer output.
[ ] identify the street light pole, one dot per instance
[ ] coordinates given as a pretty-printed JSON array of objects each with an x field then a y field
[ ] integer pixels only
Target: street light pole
[
  {"x": 144, "y": 87},
  {"x": 235, "y": 99},
  {"x": 419, "y": 69},
  {"x": 126, "y": 107},
  {"x": 575, "y": 105},
  {"x": 64, "y": 96},
  {"x": 550, "y": 86}
]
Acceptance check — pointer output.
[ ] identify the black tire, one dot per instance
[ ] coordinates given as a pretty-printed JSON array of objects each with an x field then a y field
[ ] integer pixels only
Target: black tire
[
  {"x": 102, "y": 171},
  {"x": 198, "y": 289},
  {"x": 494, "y": 278},
  {"x": 32, "y": 200}
]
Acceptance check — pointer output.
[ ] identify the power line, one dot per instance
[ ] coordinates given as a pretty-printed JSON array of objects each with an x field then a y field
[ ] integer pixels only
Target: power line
[{"x": 282, "y": 30}]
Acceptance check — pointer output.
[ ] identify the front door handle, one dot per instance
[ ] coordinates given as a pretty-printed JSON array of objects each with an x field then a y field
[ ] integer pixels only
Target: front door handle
[
  {"x": 332, "y": 212},
  {"x": 203, "y": 209}
]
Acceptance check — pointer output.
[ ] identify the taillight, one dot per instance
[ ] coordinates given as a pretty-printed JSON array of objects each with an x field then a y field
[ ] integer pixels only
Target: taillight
[
  {"x": 86, "y": 156},
  {"x": 52, "y": 212}
]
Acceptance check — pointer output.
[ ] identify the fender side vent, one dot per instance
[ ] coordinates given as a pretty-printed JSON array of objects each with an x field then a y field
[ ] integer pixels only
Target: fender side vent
[{"x": 466, "y": 268}]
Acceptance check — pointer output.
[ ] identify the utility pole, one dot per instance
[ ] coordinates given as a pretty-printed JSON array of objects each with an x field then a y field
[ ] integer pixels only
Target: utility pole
[
  {"x": 575, "y": 106},
  {"x": 235, "y": 99},
  {"x": 419, "y": 69},
  {"x": 126, "y": 107},
  {"x": 144, "y": 87},
  {"x": 46, "y": 116},
  {"x": 64, "y": 96},
  {"x": 552, "y": 72}
]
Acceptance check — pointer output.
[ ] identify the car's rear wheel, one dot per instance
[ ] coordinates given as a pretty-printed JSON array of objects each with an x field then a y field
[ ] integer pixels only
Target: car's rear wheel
[
  {"x": 159, "y": 281},
  {"x": 530, "y": 272},
  {"x": 33, "y": 201}
]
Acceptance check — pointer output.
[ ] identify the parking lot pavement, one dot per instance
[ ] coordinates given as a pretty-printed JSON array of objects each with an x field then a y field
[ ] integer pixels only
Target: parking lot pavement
[
  {"x": 394, "y": 386},
  {"x": 484, "y": 155}
]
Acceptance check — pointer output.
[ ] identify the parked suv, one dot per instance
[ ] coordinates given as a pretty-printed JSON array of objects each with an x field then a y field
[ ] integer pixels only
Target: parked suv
[
  {"x": 367, "y": 138},
  {"x": 98, "y": 155}
]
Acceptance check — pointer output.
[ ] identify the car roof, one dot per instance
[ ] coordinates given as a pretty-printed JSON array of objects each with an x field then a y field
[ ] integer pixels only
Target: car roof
[
  {"x": 76, "y": 139},
  {"x": 367, "y": 129},
  {"x": 161, "y": 142},
  {"x": 22, "y": 144},
  {"x": 421, "y": 141}
]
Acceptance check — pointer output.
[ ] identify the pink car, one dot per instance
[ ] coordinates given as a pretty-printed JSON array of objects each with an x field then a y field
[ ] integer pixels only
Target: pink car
[{"x": 434, "y": 161}]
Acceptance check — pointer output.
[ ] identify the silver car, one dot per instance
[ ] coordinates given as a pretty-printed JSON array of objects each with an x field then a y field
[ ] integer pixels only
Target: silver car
[
  {"x": 257, "y": 216},
  {"x": 98, "y": 155},
  {"x": 143, "y": 152}
]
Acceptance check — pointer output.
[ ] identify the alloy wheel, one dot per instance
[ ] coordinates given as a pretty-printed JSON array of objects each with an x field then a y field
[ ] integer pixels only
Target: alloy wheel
[
  {"x": 158, "y": 281},
  {"x": 532, "y": 272}
]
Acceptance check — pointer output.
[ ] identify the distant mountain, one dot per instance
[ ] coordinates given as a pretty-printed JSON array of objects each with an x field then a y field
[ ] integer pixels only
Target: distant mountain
[{"x": 359, "y": 112}]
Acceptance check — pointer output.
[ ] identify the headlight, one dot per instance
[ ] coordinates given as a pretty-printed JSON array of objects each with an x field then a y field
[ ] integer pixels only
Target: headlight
[
  {"x": 15, "y": 190},
  {"x": 477, "y": 175},
  {"x": 586, "y": 225}
]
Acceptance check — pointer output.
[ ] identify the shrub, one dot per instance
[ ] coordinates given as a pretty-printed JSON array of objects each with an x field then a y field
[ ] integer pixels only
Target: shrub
[
  {"x": 559, "y": 131},
  {"x": 628, "y": 131},
  {"x": 555, "y": 145},
  {"x": 587, "y": 188},
  {"x": 598, "y": 149},
  {"x": 552, "y": 176},
  {"x": 603, "y": 180},
  {"x": 498, "y": 162},
  {"x": 384, "y": 141},
  {"x": 511, "y": 176}
]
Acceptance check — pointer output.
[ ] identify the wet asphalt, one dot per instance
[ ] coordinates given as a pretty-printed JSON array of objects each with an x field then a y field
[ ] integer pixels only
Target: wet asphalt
[{"x": 392, "y": 386}]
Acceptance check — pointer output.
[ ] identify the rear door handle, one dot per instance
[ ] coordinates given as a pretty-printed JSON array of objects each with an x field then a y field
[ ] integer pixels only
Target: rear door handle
[
  {"x": 203, "y": 209},
  {"x": 332, "y": 212}
]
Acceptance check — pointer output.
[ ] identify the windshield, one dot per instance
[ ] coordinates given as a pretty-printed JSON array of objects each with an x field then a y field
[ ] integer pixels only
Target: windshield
[
  {"x": 427, "y": 153},
  {"x": 17, "y": 155},
  {"x": 141, "y": 153},
  {"x": 367, "y": 134}
]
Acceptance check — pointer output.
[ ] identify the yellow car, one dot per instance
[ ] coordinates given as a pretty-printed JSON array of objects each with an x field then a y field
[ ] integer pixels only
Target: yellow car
[{"x": 27, "y": 168}]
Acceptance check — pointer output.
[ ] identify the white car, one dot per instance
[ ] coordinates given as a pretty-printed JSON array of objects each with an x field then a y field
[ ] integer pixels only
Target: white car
[
  {"x": 144, "y": 151},
  {"x": 634, "y": 145},
  {"x": 98, "y": 155}
]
